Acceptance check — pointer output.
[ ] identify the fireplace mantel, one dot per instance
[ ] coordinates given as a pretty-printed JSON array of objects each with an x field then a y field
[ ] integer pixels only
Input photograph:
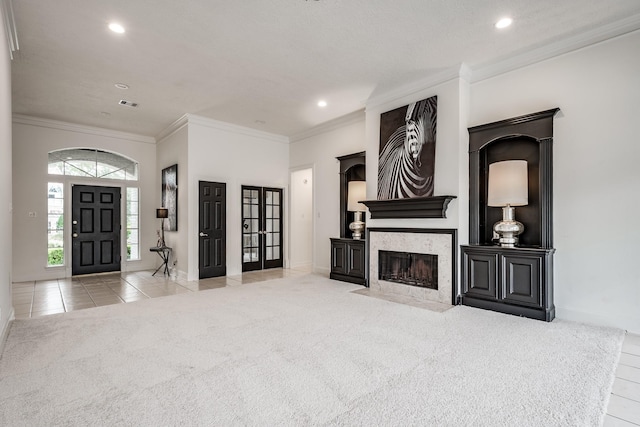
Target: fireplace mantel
[{"x": 414, "y": 207}]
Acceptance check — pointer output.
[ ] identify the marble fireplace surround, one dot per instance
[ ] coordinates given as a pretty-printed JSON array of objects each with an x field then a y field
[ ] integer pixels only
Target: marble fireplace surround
[{"x": 440, "y": 242}]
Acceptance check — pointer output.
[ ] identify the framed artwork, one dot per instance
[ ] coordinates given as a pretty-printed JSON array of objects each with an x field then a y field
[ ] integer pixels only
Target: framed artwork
[
  {"x": 406, "y": 158},
  {"x": 170, "y": 196}
]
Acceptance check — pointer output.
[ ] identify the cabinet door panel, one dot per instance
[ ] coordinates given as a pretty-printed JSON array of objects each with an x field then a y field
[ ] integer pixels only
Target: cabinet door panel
[
  {"x": 480, "y": 275},
  {"x": 356, "y": 265},
  {"x": 338, "y": 257},
  {"x": 522, "y": 280}
]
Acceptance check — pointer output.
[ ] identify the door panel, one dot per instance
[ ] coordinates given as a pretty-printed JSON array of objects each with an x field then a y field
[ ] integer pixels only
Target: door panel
[
  {"x": 95, "y": 229},
  {"x": 212, "y": 245},
  {"x": 272, "y": 227},
  {"x": 251, "y": 230},
  {"x": 261, "y": 228}
]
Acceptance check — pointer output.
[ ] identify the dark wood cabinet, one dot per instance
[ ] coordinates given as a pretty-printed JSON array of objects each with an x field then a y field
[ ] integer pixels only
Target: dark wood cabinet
[
  {"x": 348, "y": 262},
  {"x": 515, "y": 280},
  {"x": 348, "y": 256},
  {"x": 511, "y": 280}
]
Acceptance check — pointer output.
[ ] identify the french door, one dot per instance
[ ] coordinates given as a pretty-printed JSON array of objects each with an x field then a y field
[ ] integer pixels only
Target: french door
[
  {"x": 262, "y": 235},
  {"x": 95, "y": 213}
]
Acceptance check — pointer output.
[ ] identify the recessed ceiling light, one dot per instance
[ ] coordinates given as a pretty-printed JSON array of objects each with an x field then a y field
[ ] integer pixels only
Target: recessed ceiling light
[
  {"x": 116, "y": 28},
  {"x": 121, "y": 86},
  {"x": 322, "y": 103},
  {"x": 504, "y": 23}
]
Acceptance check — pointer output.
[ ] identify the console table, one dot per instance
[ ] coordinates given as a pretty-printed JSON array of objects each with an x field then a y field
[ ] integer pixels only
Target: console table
[{"x": 163, "y": 252}]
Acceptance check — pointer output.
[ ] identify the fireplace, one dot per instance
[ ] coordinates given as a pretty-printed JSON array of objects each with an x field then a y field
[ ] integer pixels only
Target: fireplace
[
  {"x": 409, "y": 268},
  {"x": 422, "y": 263}
]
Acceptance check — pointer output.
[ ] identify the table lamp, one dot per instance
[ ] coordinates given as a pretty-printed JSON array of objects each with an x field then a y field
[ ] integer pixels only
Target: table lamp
[
  {"x": 508, "y": 187},
  {"x": 162, "y": 213},
  {"x": 356, "y": 191}
]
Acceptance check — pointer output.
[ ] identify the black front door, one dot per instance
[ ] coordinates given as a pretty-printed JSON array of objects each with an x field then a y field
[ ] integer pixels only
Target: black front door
[
  {"x": 212, "y": 248},
  {"x": 95, "y": 229},
  {"x": 262, "y": 221}
]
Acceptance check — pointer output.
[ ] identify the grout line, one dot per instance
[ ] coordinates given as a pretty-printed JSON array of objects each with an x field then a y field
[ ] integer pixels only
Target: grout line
[
  {"x": 626, "y": 398},
  {"x": 64, "y": 306},
  {"x": 622, "y": 419}
]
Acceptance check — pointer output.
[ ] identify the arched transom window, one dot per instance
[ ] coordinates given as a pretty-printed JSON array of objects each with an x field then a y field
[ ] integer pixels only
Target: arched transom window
[{"x": 89, "y": 162}]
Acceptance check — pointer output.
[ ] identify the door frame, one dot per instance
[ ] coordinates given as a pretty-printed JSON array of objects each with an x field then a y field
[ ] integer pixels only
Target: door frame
[
  {"x": 197, "y": 224},
  {"x": 289, "y": 217},
  {"x": 263, "y": 263},
  {"x": 119, "y": 224},
  {"x": 67, "y": 182}
]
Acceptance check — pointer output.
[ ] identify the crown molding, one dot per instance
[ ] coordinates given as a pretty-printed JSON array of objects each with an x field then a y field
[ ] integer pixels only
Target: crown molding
[
  {"x": 72, "y": 127},
  {"x": 9, "y": 22},
  {"x": 551, "y": 50},
  {"x": 461, "y": 71},
  {"x": 228, "y": 127},
  {"x": 172, "y": 128},
  {"x": 330, "y": 125}
]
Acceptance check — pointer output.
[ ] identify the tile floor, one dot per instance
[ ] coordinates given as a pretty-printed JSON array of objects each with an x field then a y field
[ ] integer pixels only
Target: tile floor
[
  {"x": 43, "y": 297},
  {"x": 40, "y": 298},
  {"x": 624, "y": 403}
]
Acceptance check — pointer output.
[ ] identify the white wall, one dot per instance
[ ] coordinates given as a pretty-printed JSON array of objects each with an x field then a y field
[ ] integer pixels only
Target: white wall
[
  {"x": 33, "y": 138},
  {"x": 451, "y": 174},
  {"x": 6, "y": 309},
  {"x": 596, "y": 173},
  {"x": 301, "y": 219},
  {"x": 171, "y": 150},
  {"x": 220, "y": 152},
  {"x": 321, "y": 148}
]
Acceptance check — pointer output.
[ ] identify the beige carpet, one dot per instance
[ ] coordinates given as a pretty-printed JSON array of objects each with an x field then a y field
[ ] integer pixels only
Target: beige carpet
[{"x": 302, "y": 351}]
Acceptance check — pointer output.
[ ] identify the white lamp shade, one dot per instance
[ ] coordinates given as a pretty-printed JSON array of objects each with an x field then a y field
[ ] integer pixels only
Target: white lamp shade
[
  {"x": 356, "y": 191},
  {"x": 508, "y": 183}
]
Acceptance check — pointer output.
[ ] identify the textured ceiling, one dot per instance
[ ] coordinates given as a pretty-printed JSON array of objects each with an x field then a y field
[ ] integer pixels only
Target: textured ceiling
[{"x": 262, "y": 64}]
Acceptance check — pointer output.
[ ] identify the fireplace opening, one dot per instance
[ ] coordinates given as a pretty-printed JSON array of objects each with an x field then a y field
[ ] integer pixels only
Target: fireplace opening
[{"x": 408, "y": 268}]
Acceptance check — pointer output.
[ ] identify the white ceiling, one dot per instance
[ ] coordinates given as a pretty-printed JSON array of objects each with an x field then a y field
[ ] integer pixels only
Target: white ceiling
[{"x": 263, "y": 64}]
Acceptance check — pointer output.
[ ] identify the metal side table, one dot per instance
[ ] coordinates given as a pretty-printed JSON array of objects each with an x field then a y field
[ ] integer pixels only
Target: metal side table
[{"x": 163, "y": 252}]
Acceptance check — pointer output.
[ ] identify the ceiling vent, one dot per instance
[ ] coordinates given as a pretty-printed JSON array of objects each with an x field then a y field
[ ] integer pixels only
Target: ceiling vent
[{"x": 128, "y": 103}]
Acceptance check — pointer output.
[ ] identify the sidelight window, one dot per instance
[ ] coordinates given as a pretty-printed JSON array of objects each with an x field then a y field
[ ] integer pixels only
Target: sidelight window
[
  {"x": 133, "y": 233},
  {"x": 55, "y": 221}
]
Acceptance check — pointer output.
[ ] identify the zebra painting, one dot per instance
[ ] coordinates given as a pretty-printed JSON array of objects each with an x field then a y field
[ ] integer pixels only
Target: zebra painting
[{"x": 407, "y": 150}]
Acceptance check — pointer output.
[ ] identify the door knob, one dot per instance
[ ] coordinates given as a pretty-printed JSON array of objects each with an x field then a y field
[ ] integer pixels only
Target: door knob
[
  {"x": 74, "y": 222},
  {"x": 75, "y": 234},
  {"x": 203, "y": 234}
]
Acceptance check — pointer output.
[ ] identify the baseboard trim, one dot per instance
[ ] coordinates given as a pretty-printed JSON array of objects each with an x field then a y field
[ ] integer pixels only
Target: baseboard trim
[
  {"x": 322, "y": 270},
  {"x": 627, "y": 323},
  {"x": 5, "y": 330}
]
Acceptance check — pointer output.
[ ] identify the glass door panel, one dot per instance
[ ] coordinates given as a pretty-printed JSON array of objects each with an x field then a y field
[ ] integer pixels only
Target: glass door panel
[
  {"x": 273, "y": 225},
  {"x": 261, "y": 228},
  {"x": 251, "y": 231}
]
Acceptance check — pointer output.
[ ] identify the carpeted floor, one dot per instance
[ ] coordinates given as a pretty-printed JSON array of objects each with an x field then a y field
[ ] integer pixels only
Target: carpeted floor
[{"x": 302, "y": 351}]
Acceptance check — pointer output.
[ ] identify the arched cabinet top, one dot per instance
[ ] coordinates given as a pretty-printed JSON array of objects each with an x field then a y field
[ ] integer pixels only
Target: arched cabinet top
[
  {"x": 529, "y": 138},
  {"x": 538, "y": 126}
]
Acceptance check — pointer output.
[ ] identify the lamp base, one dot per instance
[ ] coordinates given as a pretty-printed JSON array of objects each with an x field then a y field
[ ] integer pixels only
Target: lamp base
[
  {"x": 161, "y": 243},
  {"x": 508, "y": 229},
  {"x": 357, "y": 226}
]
